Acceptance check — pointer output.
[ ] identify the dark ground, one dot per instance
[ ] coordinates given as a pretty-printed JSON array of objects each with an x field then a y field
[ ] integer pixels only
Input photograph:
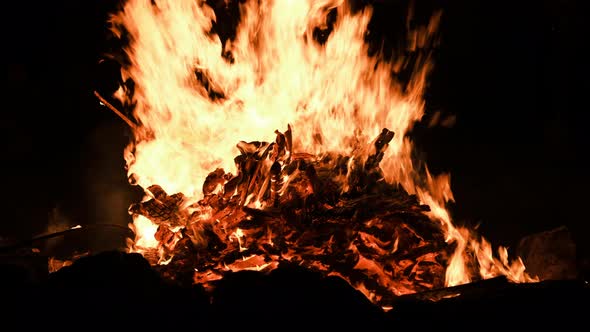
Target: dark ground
[
  {"x": 513, "y": 73},
  {"x": 115, "y": 290}
]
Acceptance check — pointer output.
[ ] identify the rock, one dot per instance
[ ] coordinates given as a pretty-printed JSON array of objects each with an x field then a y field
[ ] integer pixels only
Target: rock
[{"x": 549, "y": 255}]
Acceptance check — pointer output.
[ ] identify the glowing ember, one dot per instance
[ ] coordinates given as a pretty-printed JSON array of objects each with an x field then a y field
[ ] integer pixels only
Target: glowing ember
[{"x": 327, "y": 196}]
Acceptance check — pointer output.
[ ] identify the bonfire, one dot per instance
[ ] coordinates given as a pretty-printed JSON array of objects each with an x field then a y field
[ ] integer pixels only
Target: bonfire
[{"x": 338, "y": 191}]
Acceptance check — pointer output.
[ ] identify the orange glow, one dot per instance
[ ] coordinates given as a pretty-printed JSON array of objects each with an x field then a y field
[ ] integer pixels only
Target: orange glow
[
  {"x": 145, "y": 231},
  {"x": 54, "y": 264},
  {"x": 334, "y": 95}
]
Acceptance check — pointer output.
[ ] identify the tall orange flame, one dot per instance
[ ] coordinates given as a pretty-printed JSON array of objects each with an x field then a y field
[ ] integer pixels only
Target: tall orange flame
[{"x": 195, "y": 97}]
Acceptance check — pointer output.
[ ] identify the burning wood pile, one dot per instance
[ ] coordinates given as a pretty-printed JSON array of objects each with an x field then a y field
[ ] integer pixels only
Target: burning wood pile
[
  {"x": 333, "y": 213},
  {"x": 350, "y": 207}
]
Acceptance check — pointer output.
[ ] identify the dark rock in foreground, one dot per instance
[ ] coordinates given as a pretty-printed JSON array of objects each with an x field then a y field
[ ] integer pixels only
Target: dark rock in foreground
[
  {"x": 113, "y": 288},
  {"x": 550, "y": 255}
]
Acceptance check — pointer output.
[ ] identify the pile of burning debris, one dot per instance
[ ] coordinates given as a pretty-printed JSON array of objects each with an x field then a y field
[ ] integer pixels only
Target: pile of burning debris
[
  {"x": 330, "y": 199},
  {"x": 334, "y": 214}
]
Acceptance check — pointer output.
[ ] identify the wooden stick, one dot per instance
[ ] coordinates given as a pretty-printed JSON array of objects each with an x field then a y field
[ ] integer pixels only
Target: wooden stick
[
  {"x": 29, "y": 242},
  {"x": 112, "y": 108},
  {"x": 46, "y": 236}
]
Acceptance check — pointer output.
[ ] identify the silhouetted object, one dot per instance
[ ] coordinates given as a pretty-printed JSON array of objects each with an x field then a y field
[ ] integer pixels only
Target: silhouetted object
[
  {"x": 115, "y": 289},
  {"x": 550, "y": 255}
]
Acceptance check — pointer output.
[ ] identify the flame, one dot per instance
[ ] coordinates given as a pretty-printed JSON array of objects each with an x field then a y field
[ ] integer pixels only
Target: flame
[
  {"x": 196, "y": 95},
  {"x": 145, "y": 231},
  {"x": 238, "y": 235},
  {"x": 490, "y": 266},
  {"x": 278, "y": 75}
]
